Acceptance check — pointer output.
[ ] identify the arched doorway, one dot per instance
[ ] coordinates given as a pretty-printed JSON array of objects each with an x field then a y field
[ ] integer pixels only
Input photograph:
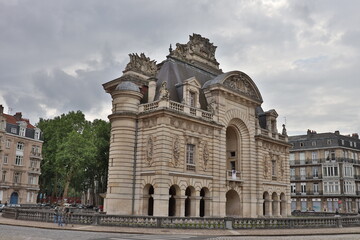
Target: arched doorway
[
  {"x": 282, "y": 204},
  {"x": 189, "y": 203},
  {"x": 232, "y": 203},
  {"x": 148, "y": 204},
  {"x": 14, "y": 198},
  {"x": 266, "y": 204},
  {"x": 173, "y": 204},
  {"x": 204, "y": 202}
]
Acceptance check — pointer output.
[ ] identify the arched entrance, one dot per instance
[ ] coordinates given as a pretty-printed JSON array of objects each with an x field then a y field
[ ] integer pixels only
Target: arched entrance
[
  {"x": 232, "y": 203},
  {"x": 266, "y": 204},
  {"x": 189, "y": 203},
  {"x": 14, "y": 198},
  {"x": 173, "y": 204},
  {"x": 148, "y": 208},
  {"x": 204, "y": 202}
]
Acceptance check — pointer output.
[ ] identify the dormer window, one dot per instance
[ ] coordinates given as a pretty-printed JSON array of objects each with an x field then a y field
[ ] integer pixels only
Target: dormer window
[
  {"x": 13, "y": 130},
  {"x": 191, "y": 89},
  {"x": 22, "y": 132}
]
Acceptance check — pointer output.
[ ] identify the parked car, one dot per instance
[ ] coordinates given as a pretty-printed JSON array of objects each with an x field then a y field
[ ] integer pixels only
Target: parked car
[{"x": 2, "y": 206}]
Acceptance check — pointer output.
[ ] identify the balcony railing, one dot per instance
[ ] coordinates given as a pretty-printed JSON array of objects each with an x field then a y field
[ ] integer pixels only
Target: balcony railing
[
  {"x": 233, "y": 175},
  {"x": 178, "y": 107},
  {"x": 323, "y": 160}
]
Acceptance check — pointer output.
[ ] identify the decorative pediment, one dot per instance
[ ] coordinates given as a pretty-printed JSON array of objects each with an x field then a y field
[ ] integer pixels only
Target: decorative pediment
[
  {"x": 238, "y": 82},
  {"x": 141, "y": 64},
  {"x": 193, "y": 82}
]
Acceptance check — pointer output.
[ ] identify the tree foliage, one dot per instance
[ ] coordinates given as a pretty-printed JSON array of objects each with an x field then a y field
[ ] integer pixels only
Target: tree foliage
[{"x": 75, "y": 154}]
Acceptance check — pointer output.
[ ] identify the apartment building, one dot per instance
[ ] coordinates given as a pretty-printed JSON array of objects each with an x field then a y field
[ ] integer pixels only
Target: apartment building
[
  {"x": 325, "y": 172},
  {"x": 20, "y": 157}
]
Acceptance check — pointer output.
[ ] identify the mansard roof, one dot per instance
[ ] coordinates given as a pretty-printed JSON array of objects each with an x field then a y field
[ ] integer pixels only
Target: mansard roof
[{"x": 10, "y": 119}]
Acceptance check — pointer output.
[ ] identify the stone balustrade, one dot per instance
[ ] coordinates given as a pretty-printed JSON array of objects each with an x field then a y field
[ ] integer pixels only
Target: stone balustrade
[
  {"x": 46, "y": 215},
  {"x": 175, "y": 106}
]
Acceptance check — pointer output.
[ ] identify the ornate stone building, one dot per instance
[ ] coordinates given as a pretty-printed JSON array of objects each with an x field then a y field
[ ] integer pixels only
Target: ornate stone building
[
  {"x": 188, "y": 139},
  {"x": 20, "y": 155}
]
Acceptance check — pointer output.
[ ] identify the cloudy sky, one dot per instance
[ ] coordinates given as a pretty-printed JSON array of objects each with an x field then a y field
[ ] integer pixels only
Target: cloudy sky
[{"x": 303, "y": 55}]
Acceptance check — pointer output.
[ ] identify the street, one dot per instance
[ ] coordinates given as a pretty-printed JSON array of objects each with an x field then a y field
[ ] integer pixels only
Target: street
[{"x": 28, "y": 233}]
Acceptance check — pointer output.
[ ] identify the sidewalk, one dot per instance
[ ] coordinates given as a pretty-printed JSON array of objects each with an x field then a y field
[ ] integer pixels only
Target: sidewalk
[{"x": 208, "y": 232}]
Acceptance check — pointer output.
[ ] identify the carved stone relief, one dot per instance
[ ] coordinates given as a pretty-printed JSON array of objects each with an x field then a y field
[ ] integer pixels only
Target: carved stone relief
[
  {"x": 241, "y": 84},
  {"x": 164, "y": 92},
  {"x": 266, "y": 165},
  {"x": 149, "y": 150},
  {"x": 141, "y": 64},
  {"x": 176, "y": 152},
  {"x": 206, "y": 155}
]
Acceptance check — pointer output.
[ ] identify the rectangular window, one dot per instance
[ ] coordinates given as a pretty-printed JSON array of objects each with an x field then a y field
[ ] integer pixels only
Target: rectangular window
[
  {"x": 22, "y": 132},
  {"x": 17, "y": 177},
  {"x": 3, "y": 178},
  {"x": 13, "y": 130},
  {"x": 37, "y": 135},
  {"x": 6, "y": 159},
  {"x": 8, "y": 143},
  {"x": 302, "y": 172},
  {"x": 32, "y": 179},
  {"x": 293, "y": 188},
  {"x": 19, "y": 160},
  {"x": 315, "y": 171},
  {"x": 273, "y": 168},
  {"x": 303, "y": 188},
  {"x": 302, "y": 157},
  {"x": 330, "y": 171},
  {"x": 292, "y": 172},
  {"x": 314, "y": 157},
  {"x": 316, "y": 188},
  {"x": 33, "y": 163},
  {"x": 20, "y": 146},
  {"x": 292, "y": 158},
  {"x": 190, "y": 162},
  {"x": 192, "y": 96}
]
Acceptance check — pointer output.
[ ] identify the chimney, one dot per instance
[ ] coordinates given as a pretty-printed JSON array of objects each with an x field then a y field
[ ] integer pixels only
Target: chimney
[
  {"x": 337, "y": 132},
  {"x": 1, "y": 109},
  {"x": 18, "y": 116},
  {"x": 355, "y": 135}
]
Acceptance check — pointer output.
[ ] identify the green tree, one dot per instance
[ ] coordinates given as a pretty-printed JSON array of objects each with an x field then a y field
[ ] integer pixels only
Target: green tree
[{"x": 75, "y": 153}]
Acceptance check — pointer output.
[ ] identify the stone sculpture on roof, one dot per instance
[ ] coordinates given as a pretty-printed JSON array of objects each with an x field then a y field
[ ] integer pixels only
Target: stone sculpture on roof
[{"x": 141, "y": 64}]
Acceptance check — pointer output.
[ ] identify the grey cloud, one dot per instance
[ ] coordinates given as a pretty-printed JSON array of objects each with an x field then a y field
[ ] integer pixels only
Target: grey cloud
[{"x": 300, "y": 54}]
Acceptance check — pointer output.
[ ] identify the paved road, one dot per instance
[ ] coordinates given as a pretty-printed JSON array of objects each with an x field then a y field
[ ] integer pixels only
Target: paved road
[{"x": 28, "y": 233}]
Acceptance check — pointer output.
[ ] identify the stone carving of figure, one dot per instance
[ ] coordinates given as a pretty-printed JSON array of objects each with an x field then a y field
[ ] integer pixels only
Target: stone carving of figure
[
  {"x": 176, "y": 151},
  {"x": 149, "y": 151},
  {"x": 266, "y": 167},
  {"x": 164, "y": 92},
  {"x": 284, "y": 130},
  {"x": 205, "y": 155},
  {"x": 141, "y": 64},
  {"x": 212, "y": 106}
]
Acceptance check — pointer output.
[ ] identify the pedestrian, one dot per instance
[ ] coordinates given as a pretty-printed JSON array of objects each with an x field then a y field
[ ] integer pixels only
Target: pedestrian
[
  {"x": 56, "y": 213},
  {"x": 60, "y": 217}
]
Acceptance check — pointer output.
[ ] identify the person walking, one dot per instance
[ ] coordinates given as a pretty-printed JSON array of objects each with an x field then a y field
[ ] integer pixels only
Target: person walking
[
  {"x": 56, "y": 213},
  {"x": 60, "y": 216}
]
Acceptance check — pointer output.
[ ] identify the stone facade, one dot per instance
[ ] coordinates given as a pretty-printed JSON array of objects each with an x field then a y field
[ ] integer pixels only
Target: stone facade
[
  {"x": 20, "y": 155},
  {"x": 325, "y": 172},
  {"x": 190, "y": 140}
]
